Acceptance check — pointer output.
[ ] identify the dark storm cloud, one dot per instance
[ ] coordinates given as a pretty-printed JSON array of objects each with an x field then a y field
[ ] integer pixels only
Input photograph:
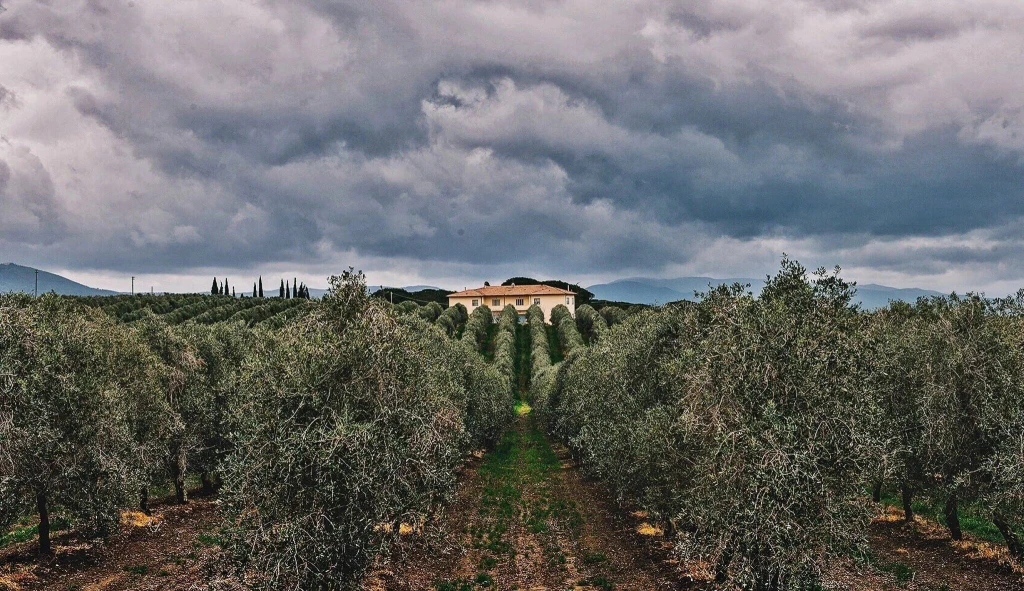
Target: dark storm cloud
[{"x": 589, "y": 136}]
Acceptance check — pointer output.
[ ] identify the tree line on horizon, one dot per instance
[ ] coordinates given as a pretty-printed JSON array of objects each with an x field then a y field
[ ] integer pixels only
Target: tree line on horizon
[{"x": 287, "y": 290}]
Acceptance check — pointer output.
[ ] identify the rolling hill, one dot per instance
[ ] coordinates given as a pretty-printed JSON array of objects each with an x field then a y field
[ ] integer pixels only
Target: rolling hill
[{"x": 18, "y": 278}]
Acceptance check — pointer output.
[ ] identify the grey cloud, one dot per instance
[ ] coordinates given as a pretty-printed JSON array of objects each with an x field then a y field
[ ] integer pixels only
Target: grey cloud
[
  {"x": 616, "y": 135},
  {"x": 29, "y": 212},
  {"x": 920, "y": 27}
]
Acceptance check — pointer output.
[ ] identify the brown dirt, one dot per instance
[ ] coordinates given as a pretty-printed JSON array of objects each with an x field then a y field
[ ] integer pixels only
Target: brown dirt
[
  {"x": 603, "y": 544},
  {"x": 160, "y": 552},
  {"x": 921, "y": 556},
  {"x": 562, "y": 533}
]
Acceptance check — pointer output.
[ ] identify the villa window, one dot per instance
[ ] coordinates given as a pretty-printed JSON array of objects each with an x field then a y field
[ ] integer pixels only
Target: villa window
[
  {"x": 520, "y": 302},
  {"x": 536, "y": 301},
  {"x": 476, "y": 303},
  {"x": 495, "y": 302},
  {"x": 567, "y": 302}
]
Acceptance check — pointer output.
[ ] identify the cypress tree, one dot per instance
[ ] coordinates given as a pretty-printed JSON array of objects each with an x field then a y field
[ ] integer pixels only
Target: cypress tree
[
  {"x": 282, "y": 289},
  {"x": 233, "y": 292},
  {"x": 226, "y": 291},
  {"x": 261, "y": 286},
  {"x": 213, "y": 290},
  {"x": 287, "y": 291},
  {"x": 295, "y": 287},
  {"x": 253, "y": 289}
]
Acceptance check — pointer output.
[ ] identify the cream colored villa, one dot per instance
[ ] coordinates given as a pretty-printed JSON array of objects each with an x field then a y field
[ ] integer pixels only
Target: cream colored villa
[{"x": 520, "y": 296}]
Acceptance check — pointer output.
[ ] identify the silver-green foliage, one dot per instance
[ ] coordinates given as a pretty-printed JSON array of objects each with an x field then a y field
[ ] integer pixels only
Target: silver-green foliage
[
  {"x": 613, "y": 315},
  {"x": 453, "y": 319},
  {"x": 542, "y": 373},
  {"x": 947, "y": 389},
  {"x": 65, "y": 379},
  {"x": 568, "y": 335},
  {"x": 354, "y": 421},
  {"x": 475, "y": 333},
  {"x": 430, "y": 312},
  {"x": 736, "y": 421},
  {"x": 589, "y": 323},
  {"x": 505, "y": 344}
]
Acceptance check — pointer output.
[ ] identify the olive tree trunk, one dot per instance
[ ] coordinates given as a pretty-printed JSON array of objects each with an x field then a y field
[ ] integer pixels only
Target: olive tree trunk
[
  {"x": 952, "y": 517},
  {"x": 908, "y": 502},
  {"x": 1013, "y": 543},
  {"x": 44, "y": 524},
  {"x": 208, "y": 486},
  {"x": 144, "y": 500},
  {"x": 178, "y": 477}
]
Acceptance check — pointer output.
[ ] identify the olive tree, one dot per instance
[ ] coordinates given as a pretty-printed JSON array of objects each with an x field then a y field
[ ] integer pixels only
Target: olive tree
[
  {"x": 738, "y": 421},
  {"x": 353, "y": 421},
  {"x": 65, "y": 441}
]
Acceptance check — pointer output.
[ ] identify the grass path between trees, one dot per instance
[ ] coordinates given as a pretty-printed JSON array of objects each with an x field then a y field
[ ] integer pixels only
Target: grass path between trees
[{"x": 524, "y": 519}]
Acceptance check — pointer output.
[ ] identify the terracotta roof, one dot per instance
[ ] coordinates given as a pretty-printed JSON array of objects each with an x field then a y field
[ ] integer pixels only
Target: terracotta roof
[{"x": 511, "y": 290}]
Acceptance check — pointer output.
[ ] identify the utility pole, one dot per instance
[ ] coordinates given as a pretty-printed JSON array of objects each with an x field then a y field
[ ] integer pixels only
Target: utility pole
[
  {"x": 37, "y": 283},
  {"x": 133, "y": 284}
]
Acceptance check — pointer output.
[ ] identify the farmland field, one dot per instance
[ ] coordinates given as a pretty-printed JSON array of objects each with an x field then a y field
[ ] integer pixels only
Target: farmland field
[{"x": 788, "y": 441}]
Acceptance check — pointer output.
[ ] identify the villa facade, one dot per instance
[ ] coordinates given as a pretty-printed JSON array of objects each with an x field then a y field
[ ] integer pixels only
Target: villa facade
[{"x": 519, "y": 296}]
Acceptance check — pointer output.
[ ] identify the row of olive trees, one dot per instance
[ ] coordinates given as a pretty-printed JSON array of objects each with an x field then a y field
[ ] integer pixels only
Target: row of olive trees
[
  {"x": 474, "y": 335},
  {"x": 93, "y": 413},
  {"x": 752, "y": 426},
  {"x": 355, "y": 422},
  {"x": 568, "y": 334},
  {"x": 453, "y": 319},
  {"x": 590, "y": 323},
  {"x": 542, "y": 371},
  {"x": 946, "y": 383},
  {"x": 325, "y": 434},
  {"x": 505, "y": 345}
]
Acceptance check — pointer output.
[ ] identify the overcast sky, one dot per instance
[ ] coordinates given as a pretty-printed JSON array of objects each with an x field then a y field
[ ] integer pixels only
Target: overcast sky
[{"x": 453, "y": 141}]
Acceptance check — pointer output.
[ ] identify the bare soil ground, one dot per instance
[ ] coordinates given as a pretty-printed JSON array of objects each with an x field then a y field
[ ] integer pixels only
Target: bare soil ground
[
  {"x": 920, "y": 556},
  {"x": 173, "y": 548},
  {"x": 523, "y": 518}
]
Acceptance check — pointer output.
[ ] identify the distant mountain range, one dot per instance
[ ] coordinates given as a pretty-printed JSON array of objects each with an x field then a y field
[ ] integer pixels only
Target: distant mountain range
[
  {"x": 641, "y": 290},
  {"x": 17, "y": 278}
]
